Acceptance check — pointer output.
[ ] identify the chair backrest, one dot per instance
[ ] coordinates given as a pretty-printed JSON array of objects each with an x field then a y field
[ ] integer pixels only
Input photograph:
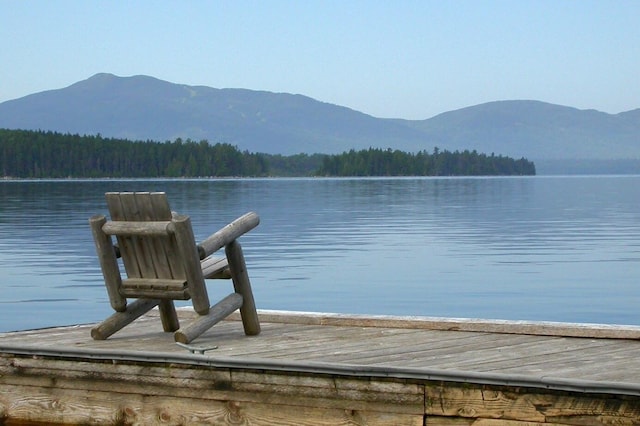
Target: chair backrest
[{"x": 158, "y": 249}]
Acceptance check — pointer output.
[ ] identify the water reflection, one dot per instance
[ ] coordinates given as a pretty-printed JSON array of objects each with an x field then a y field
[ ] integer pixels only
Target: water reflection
[{"x": 545, "y": 248}]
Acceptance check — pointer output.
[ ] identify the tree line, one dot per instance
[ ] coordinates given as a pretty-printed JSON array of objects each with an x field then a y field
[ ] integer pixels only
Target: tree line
[
  {"x": 46, "y": 154},
  {"x": 379, "y": 162},
  {"x": 39, "y": 154}
]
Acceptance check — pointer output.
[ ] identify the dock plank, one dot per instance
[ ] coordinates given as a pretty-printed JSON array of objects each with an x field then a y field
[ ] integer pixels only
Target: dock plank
[
  {"x": 321, "y": 369},
  {"x": 569, "y": 357}
]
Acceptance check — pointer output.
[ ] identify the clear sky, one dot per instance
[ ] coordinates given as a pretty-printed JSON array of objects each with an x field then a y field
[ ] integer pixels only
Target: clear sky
[{"x": 387, "y": 58}]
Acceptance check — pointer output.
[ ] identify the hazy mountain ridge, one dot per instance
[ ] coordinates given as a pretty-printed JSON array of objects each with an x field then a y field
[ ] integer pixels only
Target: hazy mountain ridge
[
  {"x": 145, "y": 108},
  {"x": 539, "y": 130}
]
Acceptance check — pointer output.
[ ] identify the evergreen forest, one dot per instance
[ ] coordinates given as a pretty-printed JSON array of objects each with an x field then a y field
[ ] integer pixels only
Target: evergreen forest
[{"x": 46, "y": 154}]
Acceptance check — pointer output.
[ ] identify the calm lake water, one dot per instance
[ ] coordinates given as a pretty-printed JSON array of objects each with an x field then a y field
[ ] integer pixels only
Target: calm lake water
[{"x": 527, "y": 248}]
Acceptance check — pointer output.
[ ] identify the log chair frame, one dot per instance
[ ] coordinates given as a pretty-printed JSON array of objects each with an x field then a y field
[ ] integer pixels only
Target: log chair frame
[{"x": 163, "y": 263}]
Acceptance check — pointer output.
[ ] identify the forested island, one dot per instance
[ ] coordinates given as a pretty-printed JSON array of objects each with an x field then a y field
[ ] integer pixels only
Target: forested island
[{"x": 46, "y": 154}]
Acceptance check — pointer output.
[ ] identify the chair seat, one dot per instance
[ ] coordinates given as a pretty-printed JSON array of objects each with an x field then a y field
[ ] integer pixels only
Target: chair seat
[{"x": 216, "y": 267}]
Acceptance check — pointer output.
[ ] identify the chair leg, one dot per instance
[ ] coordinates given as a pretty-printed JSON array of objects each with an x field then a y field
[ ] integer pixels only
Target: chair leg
[
  {"x": 120, "y": 319},
  {"x": 202, "y": 323},
  {"x": 242, "y": 285},
  {"x": 169, "y": 316}
]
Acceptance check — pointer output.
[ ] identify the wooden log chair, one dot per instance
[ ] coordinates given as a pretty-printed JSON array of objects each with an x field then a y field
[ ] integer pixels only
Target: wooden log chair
[{"x": 163, "y": 263}]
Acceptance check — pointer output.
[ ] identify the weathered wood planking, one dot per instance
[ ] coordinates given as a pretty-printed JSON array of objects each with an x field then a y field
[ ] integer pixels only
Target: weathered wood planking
[
  {"x": 134, "y": 393},
  {"x": 300, "y": 370},
  {"x": 535, "y": 407},
  {"x": 543, "y": 328},
  {"x": 569, "y": 357}
]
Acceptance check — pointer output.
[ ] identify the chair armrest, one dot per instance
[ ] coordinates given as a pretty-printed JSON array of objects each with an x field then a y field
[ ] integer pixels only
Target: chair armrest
[{"x": 229, "y": 233}]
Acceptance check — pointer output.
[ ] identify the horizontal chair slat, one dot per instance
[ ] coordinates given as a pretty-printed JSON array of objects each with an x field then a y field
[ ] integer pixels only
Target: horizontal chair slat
[
  {"x": 216, "y": 267},
  {"x": 154, "y": 283},
  {"x": 152, "y": 294},
  {"x": 155, "y": 288},
  {"x": 155, "y": 294}
]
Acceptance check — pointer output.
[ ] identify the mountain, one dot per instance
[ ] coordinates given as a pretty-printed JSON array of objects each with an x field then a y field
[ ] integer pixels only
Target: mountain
[
  {"x": 537, "y": 130},
  {"x": 142, "y": 108},
  {"x": 145, "y": 108}
]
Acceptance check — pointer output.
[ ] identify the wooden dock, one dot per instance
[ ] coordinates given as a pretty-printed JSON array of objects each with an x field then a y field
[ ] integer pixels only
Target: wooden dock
[{"x": 326, "y": 369}]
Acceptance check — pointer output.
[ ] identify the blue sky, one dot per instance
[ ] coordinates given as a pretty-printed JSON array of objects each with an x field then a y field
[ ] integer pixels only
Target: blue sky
[{"x": 387, "y": 58}]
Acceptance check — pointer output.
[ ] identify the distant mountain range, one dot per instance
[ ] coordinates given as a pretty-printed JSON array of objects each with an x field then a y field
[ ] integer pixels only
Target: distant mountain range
[{"x": 145, "y": 108}]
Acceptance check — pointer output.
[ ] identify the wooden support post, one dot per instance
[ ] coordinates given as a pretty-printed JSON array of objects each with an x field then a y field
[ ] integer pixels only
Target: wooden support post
[
  {"x": 169, "y": 316},
  {"x": 108, "y": 262},
  {"x": 242, "y": 285},
  {"x": 186, "y": 245},
  {"x": 120, "y": 319},
  {"x": 217, "y": 313}
]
